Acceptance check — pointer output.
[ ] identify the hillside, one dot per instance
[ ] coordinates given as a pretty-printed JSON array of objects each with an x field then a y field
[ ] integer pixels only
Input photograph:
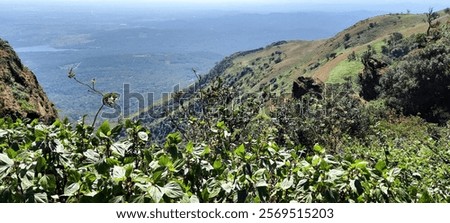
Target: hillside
[
  {"x": 21, "y": 96},
  {"x": 285, "y": 61},
  {"x": 273, "y": 69}
]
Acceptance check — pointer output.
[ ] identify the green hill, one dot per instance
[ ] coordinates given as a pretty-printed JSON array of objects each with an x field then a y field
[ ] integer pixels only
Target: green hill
[{"x": 274, "y": 68}]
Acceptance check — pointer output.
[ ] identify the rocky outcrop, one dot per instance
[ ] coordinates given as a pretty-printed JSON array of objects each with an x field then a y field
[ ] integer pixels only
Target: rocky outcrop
[
  {"x": 304, "y": 85},
  {"x": 21, "y": 96}
]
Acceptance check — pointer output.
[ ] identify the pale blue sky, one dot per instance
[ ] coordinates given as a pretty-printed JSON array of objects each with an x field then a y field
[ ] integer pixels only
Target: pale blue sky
[
  {"x": 257, "y": 1},
  {"x": 267, "y": 5}
]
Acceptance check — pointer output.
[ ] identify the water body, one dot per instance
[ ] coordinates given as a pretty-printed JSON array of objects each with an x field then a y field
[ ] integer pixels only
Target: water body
[{"x": 39, "y": 49}]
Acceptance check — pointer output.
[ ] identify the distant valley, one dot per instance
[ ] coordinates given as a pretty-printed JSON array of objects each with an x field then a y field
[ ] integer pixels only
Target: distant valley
[{"x": 149, "y": 51}]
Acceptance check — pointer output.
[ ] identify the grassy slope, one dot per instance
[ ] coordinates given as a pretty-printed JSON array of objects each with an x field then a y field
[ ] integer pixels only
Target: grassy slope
[{"x": 300, "y": 57}]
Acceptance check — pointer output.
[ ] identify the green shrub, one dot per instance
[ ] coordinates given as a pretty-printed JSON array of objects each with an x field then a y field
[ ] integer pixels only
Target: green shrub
[{"x": 420, "y": 84}]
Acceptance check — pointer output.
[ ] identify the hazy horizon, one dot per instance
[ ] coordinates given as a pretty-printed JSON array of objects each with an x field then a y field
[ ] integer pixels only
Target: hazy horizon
[{"x": 262, "y": 6}]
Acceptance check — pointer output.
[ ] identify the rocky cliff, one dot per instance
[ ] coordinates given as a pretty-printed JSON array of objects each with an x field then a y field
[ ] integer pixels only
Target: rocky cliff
[{"x": 21, "y": 96}]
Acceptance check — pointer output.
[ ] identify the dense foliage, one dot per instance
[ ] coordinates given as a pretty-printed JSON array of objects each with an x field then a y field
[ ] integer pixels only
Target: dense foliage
[
  {"x": 235, "y": 156},
  {"x": 412, "y": 74},
  {"x": 420, "y": 83}
]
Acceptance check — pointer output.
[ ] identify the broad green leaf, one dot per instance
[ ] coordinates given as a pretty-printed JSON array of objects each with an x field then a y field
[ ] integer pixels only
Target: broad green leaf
[
  {"x": 116, "y": 130},
  {"x": 92, "y": 156},
  {"x": 140, "y": 198},
  {"x": 213, "y": 191},
  {"x": 41, "y": 197},
  {"x": 59, "y": 147},
  {"x": 39, "y": 132},
  {"x": 316, "y": 160},
  {"x": 394, "y": 172},
  {"x": 173, "y": 190},
  {"x": 206, "y": 165},
  {"x": 221, "y": 125},
  {"x": 205, "y": 151},
  {"x": 143, "y": 136},
  {"x": 154, "y": 165},
  {"x": 156, "y": 193},
  {"x": 418, "y": 176},
  {"x": 217, "y": 164},
  {"x": 165, "y": 160},
  {"x": 6, "y": 160},
  {"x": 44, "y": 182},
  {"x": 360, "y": 164},
  {"x": 11, "y": 153},
  {"x": 112, "y": 161},
  {"x": 335, "y": 174},
  {"x": 4, "y": 170},
  {"x": 260, "y": 172},
  {"x": 48, "y": 182},
  {"x": 185, "y": 199},
  {"x": 280, "y": 164},
  {"x": 261, "y": 183},
  {"x": 129, "y": 160},
  {"x": 157, "y": 174},
  {"x": 3, "y": 133},
  {"x": 117, "y": 199},
  {"x": 352, "y": 186},
  {"x": 198, "y": 150},
  {"x": 194, "y": 199},
  {"x": 128, "y": 170},
  {"x": 227, "y": 187},
  {"x": 425, "y": 196},
  {"x": 40, "y": 164},
  {"x": 90, "y": 178},
  {"x": 309, "y": 198},
  {"x": 25, "y": 183},
  {"x": 240, "y": 151},
  {"x": 74, "y": 175},
  {"x": 91, "y": 193},
  {"x": 179, "y": 165},
  {"x": 384, "y": 189},
  {"x": 118, "y": 173},
  {"x": 317, "y": 148},
  {"x": 71, "y": 189},
  {"x": 104, "y": 129},
  {"x": 356, "y": 186},
  {"x": 190, "y": 148},
  {"x": 301, "y": 182},
  {"x": 119, "y": 148},
  {"x": 173, "y": 138},
  {"x": 272, "y": 151},
  {"x": 287, "y": 183},
  {"x": 381, "y": 165}
]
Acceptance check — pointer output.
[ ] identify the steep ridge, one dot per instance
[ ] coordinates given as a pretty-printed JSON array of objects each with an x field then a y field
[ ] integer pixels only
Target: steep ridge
[{"x": 21, "y": 96}]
